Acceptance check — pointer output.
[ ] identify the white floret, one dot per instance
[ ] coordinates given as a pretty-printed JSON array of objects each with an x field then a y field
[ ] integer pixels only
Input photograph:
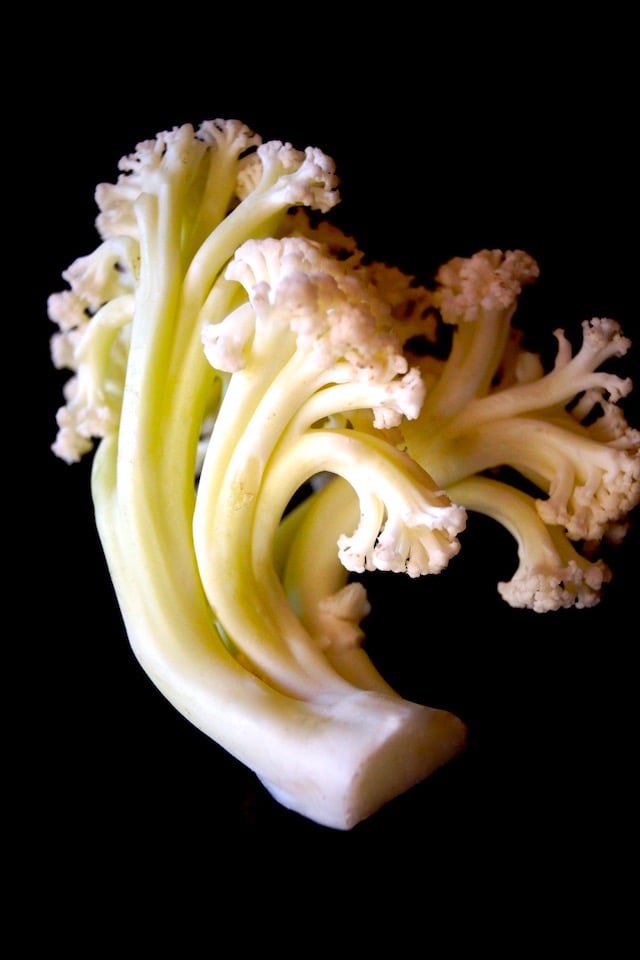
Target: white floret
[
  {"x": 488, "y": 281},
  {"x": 608, "y": 490},
  {"x": 338, "y": 617},
  {"x": 542, "y": 590},
  {"x": 416, "y": 541}
]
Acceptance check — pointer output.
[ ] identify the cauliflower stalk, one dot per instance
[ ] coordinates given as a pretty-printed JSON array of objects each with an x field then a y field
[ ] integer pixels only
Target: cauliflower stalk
[
  {"x": 232, "y": 354},
  {"x": 215, "y": 360}
]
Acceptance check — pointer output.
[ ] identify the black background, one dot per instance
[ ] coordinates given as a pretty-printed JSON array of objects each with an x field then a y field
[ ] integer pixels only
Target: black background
[{"x": 462, "y": 139}]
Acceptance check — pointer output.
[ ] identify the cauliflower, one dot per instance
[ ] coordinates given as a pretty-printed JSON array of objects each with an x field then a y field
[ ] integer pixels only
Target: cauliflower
[{"x": 270, "y": 414}]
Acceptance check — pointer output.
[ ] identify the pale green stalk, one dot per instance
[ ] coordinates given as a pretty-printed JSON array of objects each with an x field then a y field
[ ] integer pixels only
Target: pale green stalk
[
  {"x": 476, "y": 351},
  {"x": 538, "y": 449},
  {"x": 330, "y": 512},
  {"x": 244, "y": 596},
  {"x": 335, "y": 762}
]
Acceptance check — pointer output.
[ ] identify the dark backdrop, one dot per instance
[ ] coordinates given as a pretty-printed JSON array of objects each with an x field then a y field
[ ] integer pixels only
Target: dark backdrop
[{"x": 528, "y": 145}]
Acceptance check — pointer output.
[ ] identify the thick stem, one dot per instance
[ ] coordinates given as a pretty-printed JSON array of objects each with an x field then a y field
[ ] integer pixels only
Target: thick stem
[
  {"x": 235, "y": 556},
  {"x": 335, "y": 761},
  {"x": 476, "y": 351},
  {"x": 538, "y": 449},
  {"x": 331, "y": 512}
]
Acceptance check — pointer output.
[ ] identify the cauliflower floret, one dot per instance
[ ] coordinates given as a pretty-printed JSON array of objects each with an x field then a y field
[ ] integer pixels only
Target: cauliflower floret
[{"x": 551, "y": 574}]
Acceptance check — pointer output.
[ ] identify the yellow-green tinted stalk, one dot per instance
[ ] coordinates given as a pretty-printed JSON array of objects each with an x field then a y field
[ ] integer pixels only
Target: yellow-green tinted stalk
[
  {"x": 331, "y": 511},
  {"x": 246, "y": 597},
  {"x": 335, "y": 761}
]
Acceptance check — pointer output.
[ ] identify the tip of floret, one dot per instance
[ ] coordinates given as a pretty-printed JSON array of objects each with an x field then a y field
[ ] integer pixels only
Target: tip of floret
[
  {"x": 490, "y": 280},
  {"x": 577, "y": 584}
]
